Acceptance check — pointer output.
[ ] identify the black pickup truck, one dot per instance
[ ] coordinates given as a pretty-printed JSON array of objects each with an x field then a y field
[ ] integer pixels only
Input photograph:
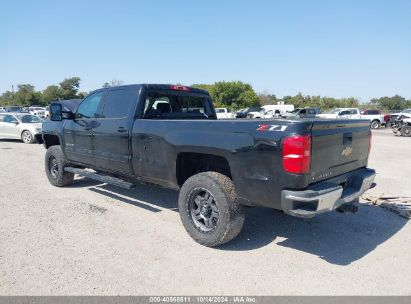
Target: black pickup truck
[{"x": 169, "y": 135}]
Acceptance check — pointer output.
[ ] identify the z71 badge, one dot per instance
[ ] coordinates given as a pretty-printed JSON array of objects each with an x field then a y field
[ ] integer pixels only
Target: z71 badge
[{"x": 264, "y": 128}]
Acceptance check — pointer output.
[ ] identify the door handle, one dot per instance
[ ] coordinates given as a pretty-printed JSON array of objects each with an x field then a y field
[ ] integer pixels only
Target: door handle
[{"x": 121, "y": 129}]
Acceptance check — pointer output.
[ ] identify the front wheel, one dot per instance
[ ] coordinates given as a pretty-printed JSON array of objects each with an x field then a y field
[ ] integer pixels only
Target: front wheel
[
  {"x": 209, "y": 209},
  {"x": 27, "y": 137},
  {"x": 54, "y": 165},
  {"x": 375, "y": 124}
]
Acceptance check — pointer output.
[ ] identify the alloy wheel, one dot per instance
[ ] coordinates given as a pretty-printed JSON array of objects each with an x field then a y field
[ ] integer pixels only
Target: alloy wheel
[
  {"x": 203, "y": 210},
  {"x": 53, "y": 167}
]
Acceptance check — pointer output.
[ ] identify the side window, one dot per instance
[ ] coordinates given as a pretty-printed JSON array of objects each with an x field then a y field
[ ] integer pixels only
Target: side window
[
  {"x": 118, "y": 103},
  {"x": 88, "y": 108},
  {"x": 311, "y": 111},
  {"x": 9, "y": 118},
  {"x": 303, "y": 111},
  {"x": 347, "y": 112}
]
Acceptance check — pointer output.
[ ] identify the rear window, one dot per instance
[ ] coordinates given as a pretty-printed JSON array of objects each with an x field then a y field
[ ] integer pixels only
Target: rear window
[
  {"x": 372, "y": 112},
  {"x": 160, "y": 104}
]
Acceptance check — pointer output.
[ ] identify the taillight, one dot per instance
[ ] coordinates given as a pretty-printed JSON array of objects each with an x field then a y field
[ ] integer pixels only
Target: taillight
[
  {"x": 180, "y": 88},
  {"x": 297, "y": 154}
]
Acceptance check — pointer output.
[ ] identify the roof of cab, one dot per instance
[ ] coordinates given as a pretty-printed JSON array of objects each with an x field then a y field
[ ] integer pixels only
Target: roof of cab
[{"x": 167, "y": 87}]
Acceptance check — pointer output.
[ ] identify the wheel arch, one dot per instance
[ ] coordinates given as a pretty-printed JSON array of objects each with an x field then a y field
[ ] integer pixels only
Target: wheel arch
[
  {"x": 51, "y": 140},
  {"x": 191, "y": 163}
]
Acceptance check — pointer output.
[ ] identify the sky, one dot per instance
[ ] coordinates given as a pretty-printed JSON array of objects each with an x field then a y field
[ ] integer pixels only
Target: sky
[{"x": 340, "y": 48}]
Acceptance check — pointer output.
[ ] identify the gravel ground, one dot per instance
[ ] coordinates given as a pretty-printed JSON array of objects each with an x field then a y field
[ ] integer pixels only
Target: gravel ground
[{"x": 94, "y": 239}]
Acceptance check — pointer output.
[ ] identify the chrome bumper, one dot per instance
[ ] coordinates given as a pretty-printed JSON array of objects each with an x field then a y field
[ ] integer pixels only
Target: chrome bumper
[{"x": 328, "y": 195}]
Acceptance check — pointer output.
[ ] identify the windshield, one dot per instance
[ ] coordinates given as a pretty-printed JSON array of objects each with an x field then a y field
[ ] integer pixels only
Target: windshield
[
  {"x": 335, "y": 111},
  {"x": 294, "y": 111},
  {"x": 29, "y": 118}
]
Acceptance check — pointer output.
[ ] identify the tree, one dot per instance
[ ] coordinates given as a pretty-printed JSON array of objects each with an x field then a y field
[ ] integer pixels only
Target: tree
[
  {"x": 51, "y": 93},
  {"x": 82, "y": 95},
  {"x": 232, "y": 94},
  {"x": 267, "y": 99},
  {"x": 26, "y": 95},
  {"x": 69, "y": 87},
  {"x": 113, "y": 83},
  {"x": 395, "y": 102}
]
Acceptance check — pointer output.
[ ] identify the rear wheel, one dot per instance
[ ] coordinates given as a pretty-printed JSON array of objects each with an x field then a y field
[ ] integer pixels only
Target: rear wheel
[
  {"x": 209, "y": 209},
  {"x": 375, "y": 124},
  {"x": 27, "y": 137},
  {"x": 54, "y": 165}
]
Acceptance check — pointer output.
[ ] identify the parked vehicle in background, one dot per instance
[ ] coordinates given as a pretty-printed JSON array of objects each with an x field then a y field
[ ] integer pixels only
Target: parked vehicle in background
[
  {"x": 272, "y": 114},
  {"x": 26, "y": 127},
  {"x": 2, "y": 109},
  {"x": 376, "y": 120},
  {"x": 256, "y": 114},
  {"x": 47, "y": 112},
  {"x": 16, "y": 109},
  {"x": 270, "y": 111},
  {"x": 224, "y": 113},
  {"x": 243, "y": 113},
  {"x": 302, "y": 113},
  {"x": 170, "y": 136},
  {"x": 350, "y": 113},
  {"x": 38, "y": 111},
  {"x": 278, "y": 108},
  {"x": 394, "y": 116},
  {"x": 402, "y": 125},
  {"x": 376, "y": 117}
]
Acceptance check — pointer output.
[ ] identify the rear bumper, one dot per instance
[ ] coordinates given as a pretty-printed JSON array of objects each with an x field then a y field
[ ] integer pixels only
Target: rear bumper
[{"x": 327, "y": 195}]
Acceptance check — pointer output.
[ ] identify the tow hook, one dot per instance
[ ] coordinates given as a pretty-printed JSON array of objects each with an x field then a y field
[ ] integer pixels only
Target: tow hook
[{"x": 349, "y": 207}]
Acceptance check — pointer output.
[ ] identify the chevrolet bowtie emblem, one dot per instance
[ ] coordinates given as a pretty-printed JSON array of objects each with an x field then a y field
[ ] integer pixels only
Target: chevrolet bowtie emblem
[{"x": 346, "y": 151}]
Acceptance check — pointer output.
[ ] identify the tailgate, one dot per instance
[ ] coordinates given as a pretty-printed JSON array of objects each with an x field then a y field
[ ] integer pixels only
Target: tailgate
[{"x": 338, "y": 146}]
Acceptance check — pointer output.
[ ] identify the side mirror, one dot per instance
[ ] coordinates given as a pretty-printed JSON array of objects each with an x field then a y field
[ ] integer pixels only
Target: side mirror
[
  {"x": 15, "y": 122},
  {"x": 55, "y": 112}
]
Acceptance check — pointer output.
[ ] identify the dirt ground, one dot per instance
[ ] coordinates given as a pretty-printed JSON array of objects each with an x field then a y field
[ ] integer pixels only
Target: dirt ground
[{"x": 95, "y": 239}]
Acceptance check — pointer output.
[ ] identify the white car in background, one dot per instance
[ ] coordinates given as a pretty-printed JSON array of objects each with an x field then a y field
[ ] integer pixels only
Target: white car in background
[
  {"x": 352, "y": 113},
  {"x": 24, "y": 126},
  {"x": 273, "y": 111},
  {"x": 224, "y": 113},
  {"x": 37, "y": 111}
]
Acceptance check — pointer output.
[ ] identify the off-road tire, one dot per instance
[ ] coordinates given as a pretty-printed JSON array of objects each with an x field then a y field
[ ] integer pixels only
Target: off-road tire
[
  {"x": 57, "y": 177},
  {"x": 375, "y": 124},
  {"x": 27, "y": 137},
  {"x": 406, "y": 131},
  {"x": 230, "y": 212}
]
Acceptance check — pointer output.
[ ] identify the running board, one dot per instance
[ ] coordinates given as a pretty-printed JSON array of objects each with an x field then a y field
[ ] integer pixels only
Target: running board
[{"x": 101, "y": 178}]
